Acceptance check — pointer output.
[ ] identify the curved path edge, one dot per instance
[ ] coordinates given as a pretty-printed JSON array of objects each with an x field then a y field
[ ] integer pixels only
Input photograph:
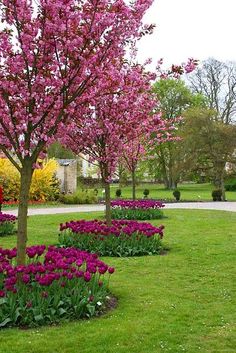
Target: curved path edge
[{"x": 221, "y": 206}]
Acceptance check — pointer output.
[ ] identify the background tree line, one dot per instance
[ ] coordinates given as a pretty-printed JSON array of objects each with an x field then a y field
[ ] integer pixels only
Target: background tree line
[
  {"x": 202, "y": 140},
  {"x": 202, "y": 110}
]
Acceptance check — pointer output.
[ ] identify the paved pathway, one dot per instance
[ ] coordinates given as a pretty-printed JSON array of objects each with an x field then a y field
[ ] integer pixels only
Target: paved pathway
[{"x": 223, "y": 206}]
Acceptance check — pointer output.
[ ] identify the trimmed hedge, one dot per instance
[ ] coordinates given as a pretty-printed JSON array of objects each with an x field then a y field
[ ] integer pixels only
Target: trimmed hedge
[{"x": 80, "y": 197}]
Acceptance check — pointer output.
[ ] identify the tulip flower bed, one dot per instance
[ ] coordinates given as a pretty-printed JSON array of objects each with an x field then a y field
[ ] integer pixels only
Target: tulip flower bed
[
  {"x": 138, "y": 209},
  {"x": 122, "y": 238},
  {"x": 7, "y": 224},
  {"x": 56, "y": 283}
]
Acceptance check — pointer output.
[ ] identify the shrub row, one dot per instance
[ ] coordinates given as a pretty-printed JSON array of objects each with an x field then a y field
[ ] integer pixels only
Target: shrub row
[{"x": 80, "y": 197}]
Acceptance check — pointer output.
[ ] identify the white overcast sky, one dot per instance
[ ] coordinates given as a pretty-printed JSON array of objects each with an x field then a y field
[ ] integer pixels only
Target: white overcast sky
[{"x": 190, "y": 28}]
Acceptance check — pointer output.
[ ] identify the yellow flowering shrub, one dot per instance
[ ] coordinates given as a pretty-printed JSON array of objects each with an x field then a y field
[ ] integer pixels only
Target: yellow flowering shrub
[
  {"x": 44, "y": 186},
  {"x": 9, "y": 180}
]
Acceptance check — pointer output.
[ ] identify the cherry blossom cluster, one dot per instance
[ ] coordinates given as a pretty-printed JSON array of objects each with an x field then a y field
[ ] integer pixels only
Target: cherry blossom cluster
[
  {"x": 55, "y": 57},
  {"x": 114, "y": 118},
  {"x": 176, "y": 70}
]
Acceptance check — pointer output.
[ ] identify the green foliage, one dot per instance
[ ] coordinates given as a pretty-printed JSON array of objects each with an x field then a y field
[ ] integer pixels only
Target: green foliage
[
  {"x": 217, "y": 195},
  {"x": 80, "y": 197},
  {"x": 168, "y": 161},
  {"x": 176, "y": 194},
  {"x": 230, "y": 184},
  {"x": 95, "y": 191},
  {"x": 56, "y": 150},
  {"x": 175, "y": 97},
  {"x": 7, "y": 228},
  {"x": 146, "y": 192},
  {"x": 118, "y": 192},
  {"x": 209, "y": 144},
  {"x": 35, "y": 306},
  {"x": 88, "y": 181},
  {"x": 189, "y": 192},
  {"x": 139, "y": 214},
  {"x": 195, "y": 276}
]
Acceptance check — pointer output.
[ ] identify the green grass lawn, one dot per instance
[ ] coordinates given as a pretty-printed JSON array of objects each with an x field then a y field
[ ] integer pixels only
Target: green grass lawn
[
  {"x": 189, "y": 192},
  {"x": 180, "y": 302}
]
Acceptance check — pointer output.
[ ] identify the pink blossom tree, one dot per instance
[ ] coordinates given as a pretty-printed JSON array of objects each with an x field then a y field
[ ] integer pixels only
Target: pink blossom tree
[
  {"x": 157, "y": 131},
  {"x": 136, "y": 149},
  {"x": 53, "y": 57},
  {"x": 113, "y": 121},
  {"x": 131, "y": 155}
]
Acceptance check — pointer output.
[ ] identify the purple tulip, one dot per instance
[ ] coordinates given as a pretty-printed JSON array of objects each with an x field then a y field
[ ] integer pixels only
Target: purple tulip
[
  {"x": 56, "y": 262},
  {"x": 26, "y": 278},
  {"x": 137, "y": 204},
  {"x": 69, "y": 275},
  {"x": 79, "y": 274},
  {"x": 102, "y": 270},
  {"x": 119, "y": 227},
  {"x": 111, "y": 270},
  {"x": 87, "y": 276},
  {"x": 7, "y": 218}
]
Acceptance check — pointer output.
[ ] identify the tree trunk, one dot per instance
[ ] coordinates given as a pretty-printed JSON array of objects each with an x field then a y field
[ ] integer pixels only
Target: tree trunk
[
  {"x": 108, "y": 202},
  {"x": 219, "y": 180},
  {"x": 163, "y": 168},
  {"x": 133, "y": 185},
  {"x": 121, "y": 178},
  {"x": 223, "y": 187},
  {"x": 166, "y": 183},
  {"x": 173, "y": 184},
  {"x": 26, "y": 176}
]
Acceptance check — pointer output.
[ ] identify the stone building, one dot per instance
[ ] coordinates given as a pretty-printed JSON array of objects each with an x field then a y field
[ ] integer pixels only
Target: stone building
[{"x": 67, "y": 174}]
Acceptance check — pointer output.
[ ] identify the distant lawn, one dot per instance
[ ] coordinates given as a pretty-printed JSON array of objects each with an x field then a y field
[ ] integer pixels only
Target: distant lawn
[
  {"x": 181, "y": 302},
  {"x": 189, "y": 192}
]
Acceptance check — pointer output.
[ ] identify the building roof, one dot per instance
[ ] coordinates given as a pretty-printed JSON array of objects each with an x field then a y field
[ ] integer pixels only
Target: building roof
[{"x": 66, "y": 162}]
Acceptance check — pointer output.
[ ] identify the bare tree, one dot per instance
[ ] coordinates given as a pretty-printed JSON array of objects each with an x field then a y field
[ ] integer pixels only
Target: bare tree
[{"x": 216, "y": 80}]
